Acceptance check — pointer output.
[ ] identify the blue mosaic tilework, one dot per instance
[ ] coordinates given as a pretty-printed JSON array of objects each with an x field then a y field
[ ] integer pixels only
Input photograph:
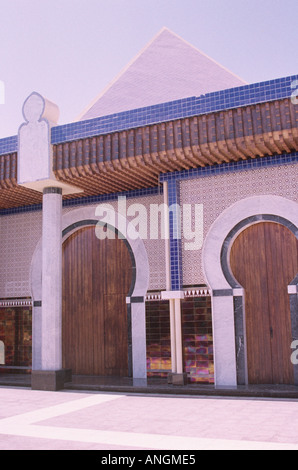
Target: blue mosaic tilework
[
  {"x": 21, "y": 209},
  {"x": 83, "y": 201},
  {"x": 9, "y": 145},
  {"x": 259, "y": 162},
  {"x": 174, "y": 198},
  {"x": 175, "y": 237},
  {"x": 113, "y": 197},
  {"x": 193, "y": 106}
]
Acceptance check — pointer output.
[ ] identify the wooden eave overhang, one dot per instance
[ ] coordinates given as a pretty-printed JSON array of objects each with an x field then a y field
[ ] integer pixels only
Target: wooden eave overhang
[{"x": 134, "y": 158}]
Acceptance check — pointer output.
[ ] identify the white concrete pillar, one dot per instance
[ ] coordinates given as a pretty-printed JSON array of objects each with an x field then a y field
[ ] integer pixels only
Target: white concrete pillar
[
  {"x": 167, "y": 236},
  {"x": 173, "y": 336},
  {"x": 177, "y": 377},
  {"x": 178, "y": 333},
  {"x": 225, "y": 366},
  {"x": 51, "y": 353},
  {"x": 138, "y": 322},
  {"x": 168, "y": 277},
  {"x": 35, "y": 171}
]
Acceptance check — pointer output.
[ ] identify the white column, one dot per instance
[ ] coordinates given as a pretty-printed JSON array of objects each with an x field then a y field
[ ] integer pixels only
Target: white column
[
  {"x": 173, "y": 336},
  {"x": 224, "y": 341},
  {"x": 178, "y": 377},
  {"x": 167, "y": 235},
  {"x": 52, "y": 279},
  {"x": 178, "y": 330},
  {"x": 138, "y": 322}
]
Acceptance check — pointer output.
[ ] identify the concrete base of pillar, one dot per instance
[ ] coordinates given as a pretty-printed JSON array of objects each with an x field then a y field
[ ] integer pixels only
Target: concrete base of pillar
[
  {"x": 177, "y": 379},
  {"x": 50, "y": 380}
]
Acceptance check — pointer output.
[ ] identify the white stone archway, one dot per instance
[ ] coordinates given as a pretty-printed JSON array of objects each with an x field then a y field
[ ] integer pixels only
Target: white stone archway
[
  {"x": 216, "y": 248},
  {"x": 71, "y": 222}
]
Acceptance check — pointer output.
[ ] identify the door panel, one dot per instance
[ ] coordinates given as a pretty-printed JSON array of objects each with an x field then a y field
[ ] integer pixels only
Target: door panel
[
  {"x": 96, "y": 279},
  {"x": 281, "y": 270},
  {"x": 248, "y": 264},
  {"x": 115, "y": 351},
  {"x": 264, "y": 260}
]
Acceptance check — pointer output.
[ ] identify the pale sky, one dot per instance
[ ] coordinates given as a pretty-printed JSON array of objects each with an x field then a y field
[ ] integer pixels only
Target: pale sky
[{"x": 70, "y": 50}]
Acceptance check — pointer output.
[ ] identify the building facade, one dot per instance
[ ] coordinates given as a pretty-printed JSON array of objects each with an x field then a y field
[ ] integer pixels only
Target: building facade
[{"x": 157, "y": 235}]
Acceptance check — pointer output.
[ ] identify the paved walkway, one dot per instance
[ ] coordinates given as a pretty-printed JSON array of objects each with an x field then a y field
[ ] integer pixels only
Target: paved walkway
[{"x": 34, "y": 420}]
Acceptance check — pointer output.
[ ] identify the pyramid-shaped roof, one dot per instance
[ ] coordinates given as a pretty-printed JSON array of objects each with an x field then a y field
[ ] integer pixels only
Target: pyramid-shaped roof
[{"x": 167, "y": 69}]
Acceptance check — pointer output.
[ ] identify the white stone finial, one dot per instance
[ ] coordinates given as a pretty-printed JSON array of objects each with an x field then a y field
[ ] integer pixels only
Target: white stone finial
[
  {"x": 36, "y": 107},
  {"x": 35, "y": 154},
  {"x": 33, "y": 108}
]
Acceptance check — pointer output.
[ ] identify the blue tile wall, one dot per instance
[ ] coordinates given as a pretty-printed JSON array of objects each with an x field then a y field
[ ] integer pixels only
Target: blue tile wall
[
  {"x": 193, "y": 106},
  {"x": 175, "y": 236},
  {"x": 9, "y": 145}
]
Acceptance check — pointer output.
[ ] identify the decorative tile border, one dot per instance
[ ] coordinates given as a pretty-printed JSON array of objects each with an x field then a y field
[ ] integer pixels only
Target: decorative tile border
[
  {"x": 8, "y": 303},
  {"x": 211, "y": 102},
  {"x": 9, "y": 145},
  {"x": 153, "y": 297},
  {"x": 179, "y": 109},
  {"x": 196, "y": 292},
  {"x": 189, "y": 293}
]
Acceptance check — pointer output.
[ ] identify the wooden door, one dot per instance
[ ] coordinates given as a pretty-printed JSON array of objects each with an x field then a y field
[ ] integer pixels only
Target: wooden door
[
  {"x": 264, "y": 260},
  {"x": 97, "y": 276}
]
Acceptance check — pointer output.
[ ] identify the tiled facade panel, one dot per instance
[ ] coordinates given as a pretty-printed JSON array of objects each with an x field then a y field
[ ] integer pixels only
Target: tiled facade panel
[
  {"x": 218, "y": 192},
  {"x": 20, "y": 233}
]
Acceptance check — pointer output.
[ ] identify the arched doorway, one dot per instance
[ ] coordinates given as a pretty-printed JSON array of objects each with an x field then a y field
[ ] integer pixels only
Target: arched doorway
[
  {"x": 264, "y": 260},
  {"x": 71, "y": 222},
  {"x": 230, "y": 353},
  {"x": 96, "y": 331}
]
